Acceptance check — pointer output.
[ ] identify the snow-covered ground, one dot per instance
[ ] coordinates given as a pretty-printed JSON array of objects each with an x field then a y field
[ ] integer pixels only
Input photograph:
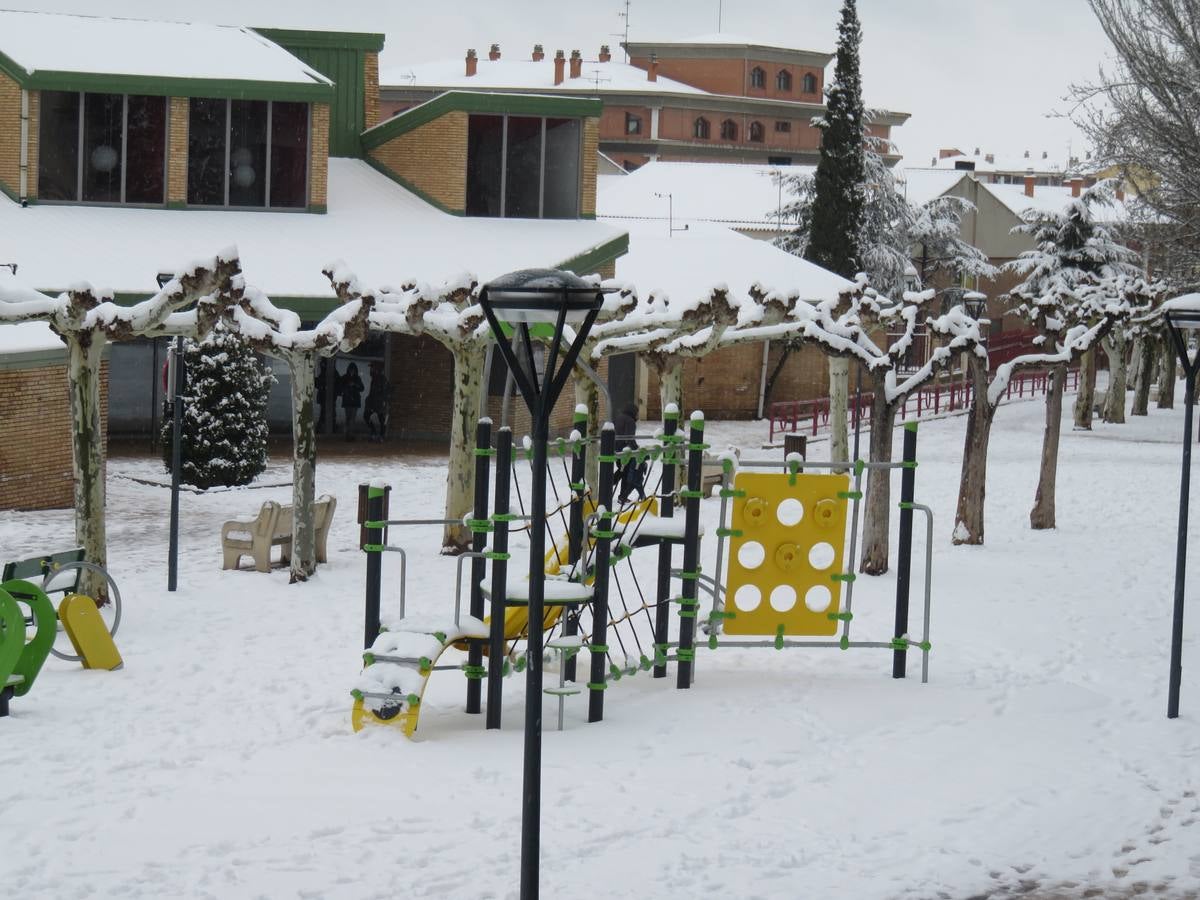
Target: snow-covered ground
[{"x": 1039, "y": 761}]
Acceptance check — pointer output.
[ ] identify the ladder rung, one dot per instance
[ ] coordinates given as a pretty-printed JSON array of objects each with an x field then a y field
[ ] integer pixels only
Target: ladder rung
[{"x": 562, "y": 691}]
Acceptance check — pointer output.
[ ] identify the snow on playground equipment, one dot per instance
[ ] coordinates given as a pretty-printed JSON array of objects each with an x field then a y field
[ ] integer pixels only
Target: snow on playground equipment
[{"x": 788, "y": 578}]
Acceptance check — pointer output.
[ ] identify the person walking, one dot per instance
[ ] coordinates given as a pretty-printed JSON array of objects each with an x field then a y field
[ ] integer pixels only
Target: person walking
[
  {"x": 352, "y": 390},
  {"x": 632, "y": 474},
  {"x": 376, "y": 406}
]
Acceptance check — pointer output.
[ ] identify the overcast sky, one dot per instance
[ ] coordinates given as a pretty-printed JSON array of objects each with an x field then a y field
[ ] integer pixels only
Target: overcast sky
[{"x": 971, "y": 73}]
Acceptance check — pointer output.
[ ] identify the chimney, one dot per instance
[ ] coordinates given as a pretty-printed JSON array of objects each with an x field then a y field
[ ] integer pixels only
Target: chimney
[
  {"x": 576, "y": 64},
  {"x": 605, "y": 55},
  {"x": 494, "y": 53},
  {"x": 1029, "y": 183},
  {"x": 652, "y": 71},
  {"x": 990, "y": 158},
  {"x": 947, "y": 152},
  {"x": 1076, "y": 186},
  {"x": 976, "y": 151},
  {"x": 472, "y": 63},
  {"x": 538, "y": 53},
  {"x": 1027, "y": 154},
  {"x": 560, "y": 62},
  {"x": 1045, "y": 155}
]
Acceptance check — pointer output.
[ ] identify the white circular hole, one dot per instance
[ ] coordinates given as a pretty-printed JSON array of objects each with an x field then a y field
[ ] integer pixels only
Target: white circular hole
[
  {"x": 747, "y": 598},
  {"x": 821, "y": 556},
  {"x": 790, "y": 512},
  {"x": 751, "y": 555},
  {"x": 783, "y": 598},
  {"x": 818, "y": 598}
]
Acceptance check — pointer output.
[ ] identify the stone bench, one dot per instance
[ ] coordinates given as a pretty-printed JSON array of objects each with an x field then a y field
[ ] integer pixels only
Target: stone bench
[{"x": 272, "y": 527}]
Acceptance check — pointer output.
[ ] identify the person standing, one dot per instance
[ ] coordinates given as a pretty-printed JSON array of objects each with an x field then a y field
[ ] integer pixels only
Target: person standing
[
  {"x": 352, "y": 390},
  {"x": 376, "y": 406}
]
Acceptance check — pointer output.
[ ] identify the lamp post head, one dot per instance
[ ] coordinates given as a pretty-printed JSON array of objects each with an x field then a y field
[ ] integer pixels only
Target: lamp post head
[
  {"x": 1183, "y": 313},
  {"x": 540, "y": 295}
]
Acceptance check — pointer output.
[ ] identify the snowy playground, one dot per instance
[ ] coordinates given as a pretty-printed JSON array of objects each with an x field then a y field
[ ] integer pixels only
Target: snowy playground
[{"x": 1038, "y": 761}]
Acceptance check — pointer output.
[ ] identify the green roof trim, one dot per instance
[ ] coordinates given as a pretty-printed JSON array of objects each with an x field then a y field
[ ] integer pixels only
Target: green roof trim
[
  {"x": 12, "y": 69},
  {"x": 480, "y": 102},
  {"x": 334, "y": 40},
  {"x": 409, "y": 186},
  {"x": 9, "y": 192},
  {"x": 96, "y": 82},
  {"x": 586, "y": 263}
]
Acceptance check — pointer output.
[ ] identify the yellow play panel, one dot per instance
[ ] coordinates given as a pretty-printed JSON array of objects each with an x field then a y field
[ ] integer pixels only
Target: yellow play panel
[
  {"x": 88, "y": 633},
  {"x": 788, "y": 546}
]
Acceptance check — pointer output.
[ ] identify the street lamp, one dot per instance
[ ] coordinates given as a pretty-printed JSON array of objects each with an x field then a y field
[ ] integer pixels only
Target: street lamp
[
  {"x": 512, "y": 303},
  {"x": 176, "y": 373},
  {"x": 1183, "y": 321},
  {"x": 12, "y": 267}
]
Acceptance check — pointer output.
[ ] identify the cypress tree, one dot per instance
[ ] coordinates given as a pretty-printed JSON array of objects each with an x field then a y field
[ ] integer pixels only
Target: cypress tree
[
  {"x": 224, "y": 438},
  {"x": 837, "y": 211}
]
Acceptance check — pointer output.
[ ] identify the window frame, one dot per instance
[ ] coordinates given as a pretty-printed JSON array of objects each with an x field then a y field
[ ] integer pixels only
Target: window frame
[
  {"x": 758, "y": 78},
  {"x": 308, "y": 108},
  {"x": 756, "y": 133},
  {"x": 783, "y": 126},
  {"x": 809, "y": 78},
  {"x": 635, "y": 120},
  {"x": 783, "y": 81},
  {"x": 729, "y": 130},
  {"x": 699, "y": 125},
  {"x": 504, "y": 117},
  {"x": 81, "y": 140}
]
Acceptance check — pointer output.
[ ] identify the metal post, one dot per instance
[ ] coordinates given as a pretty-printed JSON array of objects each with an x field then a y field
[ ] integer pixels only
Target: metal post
[
  {"x": 374, "y": 549},
  {"x": 177, "y": 382},
  {"x": 479, "y": 536},
  {"x": 666, "y": 549},
  {"x": 857, "y": 408},
  {"x": 689, "y": 602},
  {"x": 1185, "y": 486},
  {"x": 798, "y": 444},
  {"x": 908, "y": 478},
  {"x": 495, "y": 677},
  {"x": 575, "y": 535},
  {"x": 604, "y": 534}
]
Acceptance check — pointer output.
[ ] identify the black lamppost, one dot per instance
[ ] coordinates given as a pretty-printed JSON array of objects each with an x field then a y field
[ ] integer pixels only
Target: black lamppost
[
  {"x": 1183, "y": 319},
  {"x": 512, "y": 303},
  {"x": 175, "y": 386}
]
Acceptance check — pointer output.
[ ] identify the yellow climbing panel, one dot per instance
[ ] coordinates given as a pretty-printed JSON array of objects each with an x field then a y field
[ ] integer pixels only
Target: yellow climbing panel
[
  {"x": 88, "y": 633},
  {"x": 786, "y": 554}
]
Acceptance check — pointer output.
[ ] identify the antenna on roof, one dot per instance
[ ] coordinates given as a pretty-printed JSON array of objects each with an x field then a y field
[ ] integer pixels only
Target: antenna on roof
[
  {"x": 625, "y": 36},
  {"x": 597, "y": 77},
  {"x": 720, "y": 10}
]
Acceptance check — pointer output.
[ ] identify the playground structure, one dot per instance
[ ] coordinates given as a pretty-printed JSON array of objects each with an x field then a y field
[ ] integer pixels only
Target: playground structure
[
  {"x": 783, "y": 545},
  {"x": 25, "y": 605}
]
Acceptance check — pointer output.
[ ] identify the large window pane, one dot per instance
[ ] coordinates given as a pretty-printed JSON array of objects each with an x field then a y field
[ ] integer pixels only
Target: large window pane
[
  {"x": 248, "y": 153},
  {"x": 562, "y": 169},
  {"x": 58, "y": 146},
  {"x": 206, "y": 152},
  {"x": 485, "y": 135},
  {"x": 103, "y": 119},
  {"x": 145, "y": 150},
  {"x": 289, "y": 154},
  {"x": 522, "y": 185}
]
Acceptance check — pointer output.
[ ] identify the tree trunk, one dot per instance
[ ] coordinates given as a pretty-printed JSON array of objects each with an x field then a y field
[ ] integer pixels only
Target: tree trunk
[
  {"x": 587, "y": 394},
  {"x": 1166, "y": 378},
  {"x": 1114, "y": 399},
  {"x": 1042, "y": 515},
  {"x": 1133, "y": 371},
  {"x": 1085, "y": 398},
  {"x": 1147, "y": 349},
  {"x": 839, "y": 393},
  {"x": 460, "y": 480},
  {"x": 301, "y": 368},
  {"x": 879, "y": 486},
  {"x": 972, "y": 484},
  {"x": 670, "y": 387},
  {"x": 85, "y": 349}
]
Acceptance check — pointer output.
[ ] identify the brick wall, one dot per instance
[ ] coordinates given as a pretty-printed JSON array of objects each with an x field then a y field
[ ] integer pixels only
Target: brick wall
[
  {"x": 318, "y": 166},
  {"x": 177, "y": 153},
  {"x": 10, "y": 134},
  {"x": 371, "y": 89},
  {"x": 591, "y": 143},
  {"x": 35, "y": 118},
  {"x": 433, "y": 159},
  {"x": 35, "y": 455}
]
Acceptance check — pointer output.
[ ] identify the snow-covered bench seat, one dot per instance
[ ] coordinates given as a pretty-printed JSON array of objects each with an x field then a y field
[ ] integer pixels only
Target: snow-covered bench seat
[{"x": 272, "y": 527}]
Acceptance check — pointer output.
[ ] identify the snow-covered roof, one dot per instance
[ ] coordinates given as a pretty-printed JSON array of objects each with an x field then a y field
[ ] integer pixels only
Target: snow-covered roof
[
  {"x": 39, "y": 42},
  {"x": 687, "y": 265},
  {"x": 525, "y": 74},
  {"x": 28, "y": 340},
  {"x": 922, "y": 185},
  {"x": 723, "y": 39},
  {"x": 1054, "y": 200},
  {"x": 385, "y": 234},
  {"x": 1002, "y": 162},
  {"x": 740, "y": 196}
]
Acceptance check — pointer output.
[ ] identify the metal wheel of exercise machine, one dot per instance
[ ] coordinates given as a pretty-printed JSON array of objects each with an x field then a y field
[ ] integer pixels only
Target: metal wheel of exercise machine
[{"x": 114, "y": 598}]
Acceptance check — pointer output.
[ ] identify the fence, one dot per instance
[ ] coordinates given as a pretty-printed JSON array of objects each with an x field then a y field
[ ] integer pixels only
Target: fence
[{"x": 811, "y": 415}]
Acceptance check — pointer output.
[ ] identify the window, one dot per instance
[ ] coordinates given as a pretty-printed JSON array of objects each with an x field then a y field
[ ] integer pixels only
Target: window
[
  {"x": 783, "y": 127},
  {"x": 758, "y": 78},
  {"x": 523, "y": 167},
  {"x": 633, "y": 124},
  {"x": 700, "y": 128},
  {"x": 247, "y": 153},
  {"x": 783, "y": 80},
  {"x": 756, "y": 131},
  {"x": 810, "y": 83},
  {"x": 779, "y": 160},
  {"x": 729, "y": 130},
  {"x": 102, "y": 148}
]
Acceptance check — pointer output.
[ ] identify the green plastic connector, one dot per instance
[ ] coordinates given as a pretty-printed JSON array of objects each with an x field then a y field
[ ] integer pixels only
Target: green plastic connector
[
  {"x": 505, "y": 517},
  {"x": 687, "y": 654},
  {"x": 660, "y": 654},
  {"x": 615, "y": 672},
  {"x": 373, "y": 548},
  {"x": 645, "y": 664},
  {"x": 578, "y": 486},
  {"x": 479, "y": 526},
  {"x": 844, "y": 643},
  {"x": 850, "y": 495},
  {"x": 356, "y": 694},
  {"x": 375, "y": 524},
  {"x": 475, "y": 673},
  {"x": 840, "y": 617},
  {"x": 712, "y": 641},
  {"x": 598, "y": 648},
  {"x": 506, "y": 669},
  {"x": 910, "y": 426},
  {"x": 900, "y": 643},
  {"x": 904, "y": 504},
  {"x": 727, "y": 466},
  {"x": 604, "y": 535},
  {"x": 412, "y": 700},
  {"x": 691, "y": 576},
  {"x": 732, "y": 492},
  {"x": 670, "y": 415},
  {"x": 700, "y": 447},
  {"x": 519, "y": 666},
  {"x": 859, "y": 467},
  {"x": 691, "y": 495},
  {"x": 606, "y": 457},
  {"x": 373, "y": 492},
  {"x": 698, "y": 424},
  {"x": 368, "y": 658},
  {"x": 730, "y": 532},
  {"x": 908, "y": 464},
  {"x": 622, "y": 552},
  {"x": 484, "y": 451},
  {"x": 847, "y": 577},
  {"x": 597, "y": 686},
  {"x": 779, "y": 637},
  {"x": 926, "y": 646},
  {"x": 441, "y": 636},
  {"x": 496, "y": 555}
]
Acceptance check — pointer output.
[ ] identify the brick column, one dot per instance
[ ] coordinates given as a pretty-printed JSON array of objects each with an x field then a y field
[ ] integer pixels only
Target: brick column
[
  {"x": 370, "y": 90},
  {"x": 591, "y": 143},
  {"x": 318, "y": 164},
  {"x": 35, "y": 119},
  {"x": 177, "y": 152}
]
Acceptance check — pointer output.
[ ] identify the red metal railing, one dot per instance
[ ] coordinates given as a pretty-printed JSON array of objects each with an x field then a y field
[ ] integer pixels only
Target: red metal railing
[{"x": 811, "y": 415}]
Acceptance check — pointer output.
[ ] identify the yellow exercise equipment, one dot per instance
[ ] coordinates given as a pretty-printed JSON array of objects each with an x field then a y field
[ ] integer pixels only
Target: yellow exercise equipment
[
  {"x": 88, "y": 633},
  {"x": 786, "y": 554}
]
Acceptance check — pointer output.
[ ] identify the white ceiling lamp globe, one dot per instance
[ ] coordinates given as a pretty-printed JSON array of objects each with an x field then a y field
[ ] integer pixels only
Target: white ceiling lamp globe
[
  {"x": 241, "y": 157},
  {"x": 104, "y": 158},
  {"x": 243, "y": 176}
]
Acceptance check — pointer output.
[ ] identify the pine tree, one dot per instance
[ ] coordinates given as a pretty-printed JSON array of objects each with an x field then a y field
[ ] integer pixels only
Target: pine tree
[{"x": 224, "y": 439}]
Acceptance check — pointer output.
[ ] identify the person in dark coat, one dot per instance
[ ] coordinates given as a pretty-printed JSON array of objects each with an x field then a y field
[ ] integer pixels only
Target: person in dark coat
[
  {"x": 631, "y": 476},
  {"x": 352, "y": 391},
  {"x": 376, "y": 406}
]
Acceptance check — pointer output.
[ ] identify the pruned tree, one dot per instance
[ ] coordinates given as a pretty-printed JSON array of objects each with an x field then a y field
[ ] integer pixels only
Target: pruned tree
[{"x": 86, "y": 320}]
